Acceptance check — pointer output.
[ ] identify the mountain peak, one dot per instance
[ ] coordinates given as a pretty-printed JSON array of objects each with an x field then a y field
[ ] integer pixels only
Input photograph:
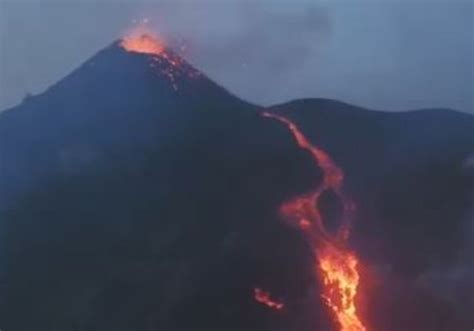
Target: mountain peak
[{"x": 162, "y": 59}]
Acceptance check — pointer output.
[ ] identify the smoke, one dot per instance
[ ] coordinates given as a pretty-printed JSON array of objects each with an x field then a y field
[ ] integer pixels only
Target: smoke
[
  {"x": 454, "y": 282},
  {"x": 237, "y": 42},
  {"x": 469, "y": 163}
]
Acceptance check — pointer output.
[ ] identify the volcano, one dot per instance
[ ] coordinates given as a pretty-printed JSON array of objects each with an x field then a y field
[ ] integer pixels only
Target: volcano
[{"x": 137, "y": 194}]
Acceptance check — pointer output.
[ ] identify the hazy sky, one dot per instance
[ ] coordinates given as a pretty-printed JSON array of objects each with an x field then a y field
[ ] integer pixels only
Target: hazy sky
[{"x": 384, "y": 54}]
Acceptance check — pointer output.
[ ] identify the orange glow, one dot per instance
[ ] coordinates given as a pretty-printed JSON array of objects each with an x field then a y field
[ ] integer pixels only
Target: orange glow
[
  {"x": 336, "y": 265},
  {"x": 144, "y": 43},
  {"x": 341, "y": 279},
  {"x": 165, "y": 62},
  {"x": 265, "y": 299}
]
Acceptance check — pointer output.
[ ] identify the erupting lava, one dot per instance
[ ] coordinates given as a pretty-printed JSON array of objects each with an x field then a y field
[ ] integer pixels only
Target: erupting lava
[
  {"x": 143, "y": 43},
  {"x": 265, "y": 299},
  {"x": 173, "y": 67},
  {"x": 335, "y": 263}
]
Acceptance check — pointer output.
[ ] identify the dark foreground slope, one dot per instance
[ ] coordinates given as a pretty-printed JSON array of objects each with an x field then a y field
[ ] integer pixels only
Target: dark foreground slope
[
  {"x": 132, "y": 205},
  {"x": 128, "y": 204}
]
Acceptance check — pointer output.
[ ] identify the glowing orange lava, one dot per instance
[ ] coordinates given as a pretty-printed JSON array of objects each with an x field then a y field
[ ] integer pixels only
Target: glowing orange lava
[
  {"x": 167, "y": 63},
  {"x": 265, "y": 299},
  {"x": 335, "y": 264},
  {"x": 144, "y": 43}
]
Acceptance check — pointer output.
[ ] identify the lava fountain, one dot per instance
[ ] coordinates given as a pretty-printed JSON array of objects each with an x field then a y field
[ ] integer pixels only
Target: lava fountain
[
  {"x": 335, "y": 264},
  {"x": 143, "y": 41}
]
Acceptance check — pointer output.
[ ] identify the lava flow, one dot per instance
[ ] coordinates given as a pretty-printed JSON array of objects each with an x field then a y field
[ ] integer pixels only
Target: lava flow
[
  {"x": 335, "y": 264},
  {"x": 265, "y": 299},
  {"x": 173, "y": 67}
]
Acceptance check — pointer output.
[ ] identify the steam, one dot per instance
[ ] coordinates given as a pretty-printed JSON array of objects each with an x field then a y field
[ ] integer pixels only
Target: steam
[
  {"x": 384, "y": 54},
  {"x": 451, "y": 282}
]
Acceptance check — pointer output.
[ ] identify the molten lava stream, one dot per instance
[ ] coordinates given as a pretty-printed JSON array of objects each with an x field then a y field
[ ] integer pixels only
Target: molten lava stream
[
  {"x": 335, "y": 264},
  {"x": 264, "y": 298}
]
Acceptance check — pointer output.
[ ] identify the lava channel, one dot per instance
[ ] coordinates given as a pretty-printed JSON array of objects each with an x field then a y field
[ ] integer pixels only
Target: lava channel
[{"x": 335, "y": 264}]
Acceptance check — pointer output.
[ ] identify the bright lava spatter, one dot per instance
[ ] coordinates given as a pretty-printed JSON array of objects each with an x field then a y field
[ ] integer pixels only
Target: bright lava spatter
[
  {"x": 143, "y": 43},
  {"x": 335, "y": 264},
  {"x": 166, "y": 62},
  {"x": 264, "y": 298}
]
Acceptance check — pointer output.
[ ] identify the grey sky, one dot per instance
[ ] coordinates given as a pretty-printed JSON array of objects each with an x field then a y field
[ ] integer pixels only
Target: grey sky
[{"x": 384, "y": 54}]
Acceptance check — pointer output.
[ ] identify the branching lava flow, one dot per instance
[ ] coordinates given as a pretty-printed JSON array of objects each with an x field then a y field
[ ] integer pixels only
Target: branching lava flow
[{"x": 335, "y": 264}]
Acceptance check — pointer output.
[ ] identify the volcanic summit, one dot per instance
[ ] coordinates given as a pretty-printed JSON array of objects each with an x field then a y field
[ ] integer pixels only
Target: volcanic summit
[{"x": 137, "y": 194}]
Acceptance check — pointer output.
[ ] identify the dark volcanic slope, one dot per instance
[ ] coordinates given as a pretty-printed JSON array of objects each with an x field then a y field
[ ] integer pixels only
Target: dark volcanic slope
[
  {"x": 131, "y": 205},
  {"x": 115, "y": 101},
  {"x": 412, "y": 167},
  {"x": 137, "y": 206},
  {"x": 410, "y": 176}
]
